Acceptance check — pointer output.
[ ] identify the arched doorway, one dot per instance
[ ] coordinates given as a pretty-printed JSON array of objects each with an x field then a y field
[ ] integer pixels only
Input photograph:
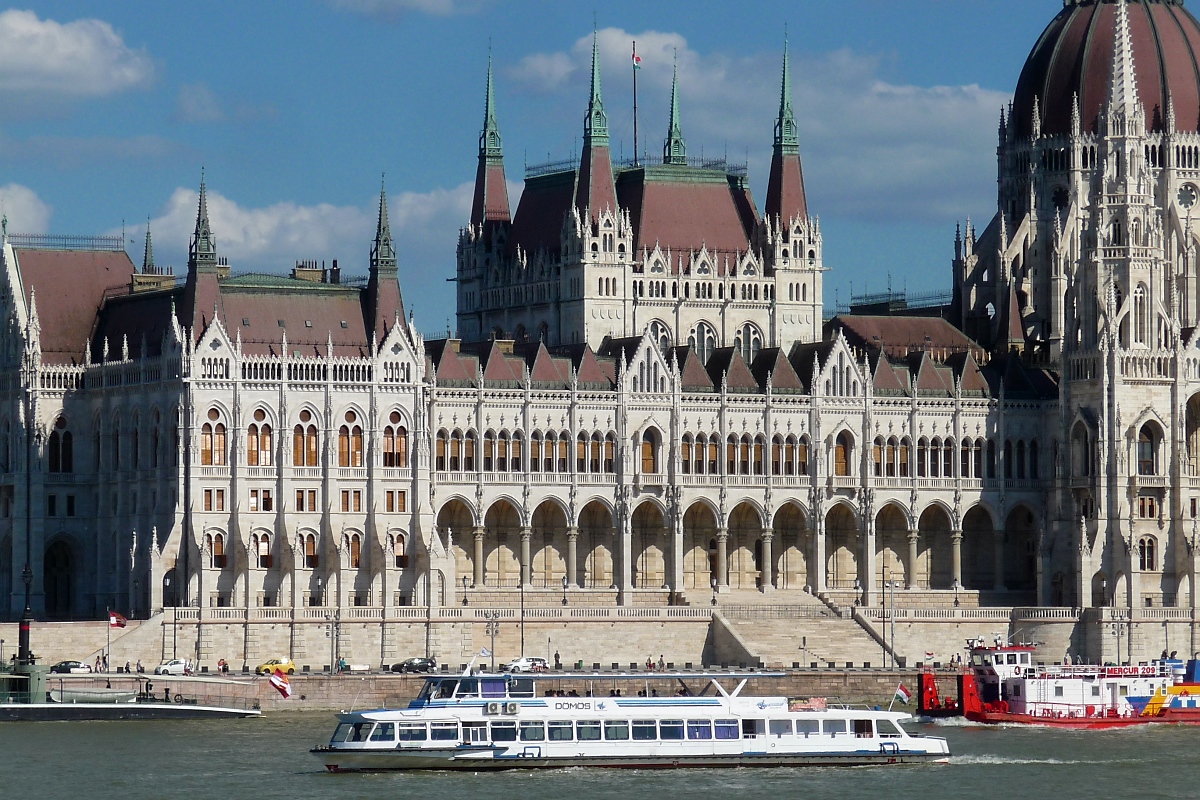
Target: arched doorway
[
  {"x": 744, "y": 552},
  {"x": 935, "y": 568},
  {"x": 891, "y": 545},
  {"x": 649, "y": 538},
  {"x": 548, "y": 546},
  {"x": 502, "y": 546},
  {"x": 978, "y": 549},
  {"x": 791, "y": 547},
  {"x": 841, "y": 551},
  {"x": 57, "y": 580},
  {"x": 1020, "y": 552},
  {"x": 170, "y": 587},
  {"x": 700, "y": 560},
  {"x": 595, "y": 545},
  {"x": 455, "y": 524}
]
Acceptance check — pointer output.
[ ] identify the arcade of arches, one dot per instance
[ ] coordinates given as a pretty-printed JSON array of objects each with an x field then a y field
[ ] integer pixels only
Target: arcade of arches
[{"x": 505, "y": 553}]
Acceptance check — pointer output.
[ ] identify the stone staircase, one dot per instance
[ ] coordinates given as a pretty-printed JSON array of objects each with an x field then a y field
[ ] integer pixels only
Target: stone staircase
[
  {"x": 806, "y": 634},
  {"x": 140, "y": 639}
]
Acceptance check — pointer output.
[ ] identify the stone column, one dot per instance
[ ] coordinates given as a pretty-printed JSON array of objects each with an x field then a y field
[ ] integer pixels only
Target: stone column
[
  {"x": 910, "y": 569},
  {"x": 956, "y": 559},
  {"x": 767, "y": 573},
  {"x": 816, "y": 569},
  {"x": 526, "y": 536},
  {"x": 998, "y": 541},
  {"x": 572, "y": 557},
  {"x": 477, "y": 563},
  {"x": 722, "y": 559},
  {"x": 866, "y": 561}
]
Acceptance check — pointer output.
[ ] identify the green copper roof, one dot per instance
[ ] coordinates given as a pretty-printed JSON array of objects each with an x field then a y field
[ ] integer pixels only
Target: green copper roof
[
  {"x": 675, "y": 148},
  {"x": 489, "y": 140},
  {"x": 203, "y": 253},
  {"x": 383, "y": 253},
  {"x": 595, "y": 127},
  {"x": 148, "y": 255},
  {"x": 786, "y": 139}
]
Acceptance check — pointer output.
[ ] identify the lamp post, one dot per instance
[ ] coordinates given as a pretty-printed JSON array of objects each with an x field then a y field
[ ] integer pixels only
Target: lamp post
[
  {"x": 331, "y": 620},
  {"x": 493, "y": 627},
  {"x": 464, "y": 583},
  {"x": 713, "y": 583},
  {"x": 886, "y": 584},
  {"x": 521, "y": 580},
  {"x": 564, "y": 584},
  {"x": 1118, "y": 628}
]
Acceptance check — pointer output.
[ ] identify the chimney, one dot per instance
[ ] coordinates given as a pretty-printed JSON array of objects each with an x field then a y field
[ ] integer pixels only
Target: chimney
[{"x": 335, "y": 274}]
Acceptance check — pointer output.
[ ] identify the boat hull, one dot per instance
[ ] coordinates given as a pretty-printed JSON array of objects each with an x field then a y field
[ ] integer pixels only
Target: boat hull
[
  {"x": 59, "y": 712},
  {"x": 398, "y": 760}
]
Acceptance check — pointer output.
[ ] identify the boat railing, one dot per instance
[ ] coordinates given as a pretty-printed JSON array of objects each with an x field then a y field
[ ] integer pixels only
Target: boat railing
[{"x": 1157, "y": 670}]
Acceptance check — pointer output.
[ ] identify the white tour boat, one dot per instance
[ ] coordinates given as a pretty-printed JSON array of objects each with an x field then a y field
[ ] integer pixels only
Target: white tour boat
[{"x": 500, "y": 721}]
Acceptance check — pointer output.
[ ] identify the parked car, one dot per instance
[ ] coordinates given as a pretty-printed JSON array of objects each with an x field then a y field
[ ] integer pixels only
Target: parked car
[
  {"x": 527, "y": 664},
  {"x": 70, "y": 668},
  {"x": 176, "y": 666},
  {"x": 286, "y": 665},
  {"x": 417, "y": 664}
]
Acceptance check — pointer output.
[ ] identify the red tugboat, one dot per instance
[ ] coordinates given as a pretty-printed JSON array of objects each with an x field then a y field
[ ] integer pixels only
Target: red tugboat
[{"x": 1004, "y": 685}]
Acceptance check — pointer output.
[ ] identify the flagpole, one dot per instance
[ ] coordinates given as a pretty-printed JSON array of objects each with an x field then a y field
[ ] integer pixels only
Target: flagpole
[
  {"x": 635, "y": 130},
  {"x": 894, "y": 695},
  {"x": 108, "y": 648}
]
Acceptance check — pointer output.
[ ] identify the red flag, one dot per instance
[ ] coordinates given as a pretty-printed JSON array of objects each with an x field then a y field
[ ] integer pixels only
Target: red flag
[
  {"x": 281, "y": 683},
  {"x": 115, "y": 620}
]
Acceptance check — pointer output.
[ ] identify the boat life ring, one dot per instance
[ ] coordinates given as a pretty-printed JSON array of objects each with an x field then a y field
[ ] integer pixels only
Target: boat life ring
[
  {"x": 1184, "y": 693},
  {"x": 1018, "y": 671}
]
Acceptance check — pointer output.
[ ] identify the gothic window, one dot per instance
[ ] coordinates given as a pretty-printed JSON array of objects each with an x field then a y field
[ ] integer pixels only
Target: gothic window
[
  {"x": 355, "y": 550},
  {"x": 535, "y": 451},
  {"x": 656, "y": 267},
  {"x": 456, "y": 450},
  {"x": 922, "y": 457},
  {"x": 843, "y": 454},
  {"x": 1147, "y": 557},
  {"x": 905, "y": 447},
  {"x": 212, "y": 442},
  {"x": 610, "y": 448},
  {"x": 890, "y": 460},
  {"x": 216, "y": 550},
  {"x": 650, "y": 452},
  {"x": 1033, "y": 459},
  {"x": 748, "y": 342},
  {"x": 703, "y": 339},
  {"x": 594, "y": 458},
  {"x": 304, "y": 442},
  {"x": 395, "y": 443},
  {"x": 155, "y": 440},
  {"x": 699, "y": 459},
  {"x": 489, "y": 451},
  {"x": 1147, "y": 446},
  {"x": 311, "y": 559},
  {"x": 685, "y": 454},
  {"x": 350, "y": 442},
  {"x": 877, "y": 452},
  {"x": 61, "y": 447},
  {"x": 1008, "y": 459},
  {"x": 260, "y": 544},
  {"x": 564, "y": 447},
  {"x": 258, "y": 441},
  {"x": 661, "y": 336},
  {"x": 401, "y": 554},
  {"x": 1141, "y": 314},
  {"x": 802, "y": 456}
]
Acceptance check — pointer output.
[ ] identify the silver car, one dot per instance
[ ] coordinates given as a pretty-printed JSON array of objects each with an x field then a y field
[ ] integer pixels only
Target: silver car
[{"x": 176, "y": 666}]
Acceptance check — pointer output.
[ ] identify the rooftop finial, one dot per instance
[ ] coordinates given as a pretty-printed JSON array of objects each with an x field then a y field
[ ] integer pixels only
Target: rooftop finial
[
  {"x": 489, "y": 140},
  {"x": 148, "y": 255},
  {"x": 786, "y": 139},
  {"x": 383, "y": 254},
  {"x": 675, "y": 149},
  {"x": 204, "y": 244},
  {"x": 1123, "y": 95}
]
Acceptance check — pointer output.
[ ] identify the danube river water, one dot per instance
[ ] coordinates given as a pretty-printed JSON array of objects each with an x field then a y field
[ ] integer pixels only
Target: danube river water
[{"x": 268, "y": 758}]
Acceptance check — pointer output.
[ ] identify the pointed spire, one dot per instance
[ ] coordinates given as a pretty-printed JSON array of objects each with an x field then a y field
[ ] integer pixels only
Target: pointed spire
[
  {"x": 383, "y": 254},
  {"x": 148, "y": 255},
  {"x": 675, "y": 149},
  {"x": 203, "y": 253},
  {"x": 1075, "y": 120},
  {"x": 489, "y": 140},
  {"x": 1123, "y": 96},
  {"x": 786, "y": 139},
  {"x": 595, "y": 127},
  {"x": 1037, "y": 118}
]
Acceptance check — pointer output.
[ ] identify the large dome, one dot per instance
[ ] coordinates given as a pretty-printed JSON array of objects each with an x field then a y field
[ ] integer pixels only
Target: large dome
[{"x": 1074, "y": 56}]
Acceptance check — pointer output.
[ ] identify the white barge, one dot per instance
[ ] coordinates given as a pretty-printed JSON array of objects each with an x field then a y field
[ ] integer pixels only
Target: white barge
[{"x": 499, "y": 721}]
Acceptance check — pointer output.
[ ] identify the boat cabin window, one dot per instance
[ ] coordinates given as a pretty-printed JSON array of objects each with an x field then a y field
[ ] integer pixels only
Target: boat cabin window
[
  {"x": 890, "y": 729},
  {"x": 780, "y": 727},
  {"x": 808, "y": 727},
  {"x": 644, "y": 730},
  {"x": 1016, "y": 689},
  {"x": 560, "y": 731},
  {"x": 588, "y": 730},
  {"x": 468, "y": 687},
  {"x": 492, "y": 687},
  {"x": 727, "y": 729},
  {"x": 445, "y": 689},
  {"x": 384, "y": 732},
  {"x": 976, "y": 660},
  {"x": 411, "y": 731},
  {"x": 1012, "y": 658},
  {"x": 427, "y": 690},
  {"x": 353, "y": 732},
  {"x": 670, "y": 729},
  {"x": 474, "y": 732},
  {"x": 863, "y": 728},
  {"x": 520, "y": 687},
  {"x": 699, "y": 729},
  {"x": 834, "y": 726},
  {"x": 533, "y": 730},
  {"x": 1024, "y": 658},
  {"x": 753, "y": 727},
  {"x": 616, "y": 730},
  {"x": 1058, "y": 691},
  {"x": 1095, "y": 690},
  {"x": 504, "y": 731},
  {"x": 443, "y": 731}
]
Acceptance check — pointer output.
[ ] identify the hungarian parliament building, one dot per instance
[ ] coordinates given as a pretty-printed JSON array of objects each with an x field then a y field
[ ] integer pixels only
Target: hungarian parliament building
[{"x": 646, "y": 402}]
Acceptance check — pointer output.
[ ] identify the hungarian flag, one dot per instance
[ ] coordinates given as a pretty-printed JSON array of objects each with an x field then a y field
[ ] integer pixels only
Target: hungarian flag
[
  {"x": 281, "y": 683},
  {"x": 115, "y": 620},
  {"x": 637, "y": 61},
  {"x": 903, "y": 694}
]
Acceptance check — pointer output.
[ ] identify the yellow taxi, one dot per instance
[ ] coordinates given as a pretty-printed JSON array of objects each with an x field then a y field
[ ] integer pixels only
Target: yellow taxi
[{"x": 284, "y": 665}]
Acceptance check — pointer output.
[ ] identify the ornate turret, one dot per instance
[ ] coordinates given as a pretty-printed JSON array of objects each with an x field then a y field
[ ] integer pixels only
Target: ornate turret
[
  {"x": 383, "y": 287},
  {"x": 785, "y": 187},
  {"x": 595, "y": 189},
  {"x": 383, "y": 253},
  {"x": 674, "y": 149},
  {"x": 148, "y": 254},
  {"x": 491, "y": 191},
  {"x": 202, "y": 255}
]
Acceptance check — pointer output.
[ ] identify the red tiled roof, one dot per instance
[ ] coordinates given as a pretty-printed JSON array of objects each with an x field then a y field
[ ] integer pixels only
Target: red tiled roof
[
  {"x": 685, "y": 215},
  {"x": 595, "y": 189},
  {"x": 898, "y": 336},
  {"x": 785, "y": 189},
  {"x": 255, "y": 314},
  {"x": 491, "y": 193},
  {"x": 70, "y": 287},
  {"x": 771, "y": 361},
  {"x": 538, "y": 222},
  {"x": 886, "y": 378},
  {"x": 693, "y": 377}
]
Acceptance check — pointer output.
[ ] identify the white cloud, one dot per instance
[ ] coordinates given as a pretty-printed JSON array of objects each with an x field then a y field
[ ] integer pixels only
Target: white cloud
[
  {"x": 84, "y": 58},
  {"x": 394, "y": 8},
  {"x": 872, "y": 149},
  {"x": 25, "y": 211},
  {"x": 272, "y": 238},
  {"x": 195, "y": 102}
]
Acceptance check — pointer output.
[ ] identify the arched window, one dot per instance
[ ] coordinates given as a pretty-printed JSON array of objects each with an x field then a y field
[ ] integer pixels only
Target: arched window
[
  {"x": 594, "y": 457},
  {"x": 650, "y": 452},
  {"x": 469, "y": 451},
  {"x": 877, "y": 453},
  {"x": 843, "y": 454},
  {"x": 581, "y": 445},
  {"x": 212, "y": 442},
  {"x": 685, "y": 454},
  {"x": 304, "y": 442},
  {"x": 948, "y": 459},
  {"x": 398, "y": 549},
  {"x": 802, "y": 456},
  {"x": 922, "y": 457},
  {"x": 1147, "y": 557},
  {"x": 890, "y": 458},
  {"x": 355, "y": 550},
  {"x": 1020, "y": 459},
  {"x": 114, "y": 448},
  {"x": 703, "y": 339},
  {"x": 759, "y": 458},
  {"x": 935, "y": 457},
  {"x": 991, "y": 458},
  {"x": 1033, "y": 459},
  {"x": 1147, "y": 447},
  {"x": 535, "y": 451},
  {"x": 1141, "y": 314},
  {"x": 502, "y": 452},
  {"x": 1008, "y": 459},
  {"x": 660, "y": 334},
  {"x": 61, "y": 447},
  {"x": 395, "y": 443},
  {"x": 350, "y": 442},
  {"x": 261, "y": 545},
  {"x": 155, "y": 441},
  {"x": 216, "y": 550},
  {"x": 731, "y": 455},
  {"x": 440, "y": 447},
  {"x": 748, "y": 342},
  {"x": 258, "y": 441},
  {"x": 564, "y": 451},
  {"x": 311, "y": 559},
  {"x": 514, "y": 455},
  {"x": 904, "y": 456},
  {"x": 610, "y": 454}
]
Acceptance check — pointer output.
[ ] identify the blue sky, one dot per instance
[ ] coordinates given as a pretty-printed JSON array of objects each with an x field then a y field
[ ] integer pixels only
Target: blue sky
[{"x": 108, "y": 111}]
